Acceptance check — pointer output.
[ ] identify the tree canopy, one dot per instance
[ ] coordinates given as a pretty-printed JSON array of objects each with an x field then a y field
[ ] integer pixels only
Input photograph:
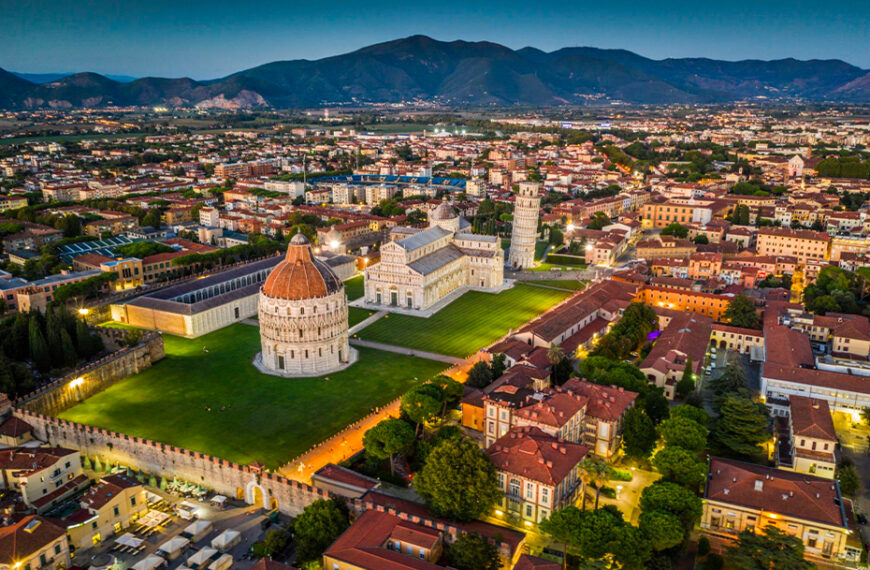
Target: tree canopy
[
  {"x": 317, "y": 527},
  {"x": 741, "y": 426},
  {"x": 771, "y": 549},
  {"x": 741, "y": 313},
  {"x": 472, "y": 551}
]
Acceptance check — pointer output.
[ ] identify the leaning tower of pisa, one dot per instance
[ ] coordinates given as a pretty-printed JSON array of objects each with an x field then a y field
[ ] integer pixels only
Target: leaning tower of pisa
[{"x": 525, "y": 228}]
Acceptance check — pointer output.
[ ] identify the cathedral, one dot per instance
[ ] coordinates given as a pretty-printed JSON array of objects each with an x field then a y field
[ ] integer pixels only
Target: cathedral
[
  {"x": 421, "y": 270},
  {"x": 303, "y": 317}
]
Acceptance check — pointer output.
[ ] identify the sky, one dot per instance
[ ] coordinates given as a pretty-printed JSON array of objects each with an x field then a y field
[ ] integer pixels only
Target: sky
[{"x": 206, "y": 39}]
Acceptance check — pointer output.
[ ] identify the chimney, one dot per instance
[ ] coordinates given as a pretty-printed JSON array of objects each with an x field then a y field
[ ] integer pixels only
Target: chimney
[{"x": 759, "y": 485}]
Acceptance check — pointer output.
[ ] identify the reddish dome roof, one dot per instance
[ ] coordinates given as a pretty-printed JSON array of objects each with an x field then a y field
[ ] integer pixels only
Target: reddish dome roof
[{"x": 300, "y": 275}]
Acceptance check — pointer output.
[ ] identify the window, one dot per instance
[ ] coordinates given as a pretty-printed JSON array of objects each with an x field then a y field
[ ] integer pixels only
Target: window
[
  {"x": 132, "y": 501},
  {"x": 545, "y": 495},
  {"x": 57, "y": 549},
  {"x": 528, "y": 511}
]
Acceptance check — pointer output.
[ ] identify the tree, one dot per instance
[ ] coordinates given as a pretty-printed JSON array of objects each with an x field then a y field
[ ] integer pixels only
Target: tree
[
  {"x": 276, "y": 541},
  {"x": 680, "y": 466},
  {"x": 480, "y": 376},
  {"x": 697, "y": 415},
  {"x": 557, "y": 238},
  {"x": 152, "y": 218},
  {"x": 741, "y": 313},
  {"x": 847, "y": 475},
  {"x": 731, "y": 381},
  {"x": 655, "y": 405},
  {"x": 451, "y": 391},
  {"x": 472, "y": 551},
  {"x": 458, "y": 481},
  {"x": 421, "y": 404},
  {"x": 555, "y": 354},
  {"x": 742, "y": 425},
  {"x": 38, "y": 347},
  {"x": 674, "y": 499},
  {"x": 317, "y": 527},
  {"x": 68, "y": 350},
  {"x": 497, "y": 366},
  {"x": 387, "y": 438},
  {"x": 683, "y": 432},
  {"x": 701, "y": 239},
  {"x": 663, "y": 529},
  {"x": 675, "y": 230},
  {"x": 772, "y": 549},
  {"x": 561, "y": 526},
  {"x": 598, "y": 531},
  {"x": 84, "y": 342},
  {"x": 687, "y": 381},
  {"x": 562, "y": 371},
  {"x": 639, "y": 434},
  {"x": 597, "y": 472}
]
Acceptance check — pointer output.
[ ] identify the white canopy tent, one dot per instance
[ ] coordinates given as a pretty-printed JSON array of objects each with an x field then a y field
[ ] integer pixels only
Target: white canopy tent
[
  {"x": 151, "y": 562},
  {"x": 222, "y": 563},
  {"x": 153, "y": 519},
  {"x": 219, "y": 501},
  {"x": 198, "y": 530},
  {"x": 226, "y": 540},
  {"x": 201, "y": 558},
  {"x": 172, "y": 548},
  {"x": 129, "y": 540}
]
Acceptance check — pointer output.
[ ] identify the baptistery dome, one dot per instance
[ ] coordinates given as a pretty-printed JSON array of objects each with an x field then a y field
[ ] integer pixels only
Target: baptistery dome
[{"x": 303, "y": 316}]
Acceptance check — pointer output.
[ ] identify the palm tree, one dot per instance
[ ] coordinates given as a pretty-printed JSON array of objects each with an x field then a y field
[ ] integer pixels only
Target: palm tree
[
  {"x": 600, "y": 476},
  {"x": 585, "y": 472},
  {"x": 555, "y": 354}
]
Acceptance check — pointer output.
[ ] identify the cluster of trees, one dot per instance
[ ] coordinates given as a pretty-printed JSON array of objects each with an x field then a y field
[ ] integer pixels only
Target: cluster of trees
[
  {"x": 629, "y": 334},
  {"x": 599, "y": 221},
  {"x": 482, "y": 374},
  {"x": 844, "y": 167},
  {"x": 490, "y": 217},
  {"x": 839, "y": 291},
  {"x": 46, "y": 341},
  {"x": 852, "y": 201},
  {"x": 757, "y": 187},
  {"x": 319, "y": 525},
  {"x": 741, "y": 313},
  {"x": 258, "y": 246},
  {"x": 388, "y": 208},
  {"x": 142, "y": 249},
  {"x": 740, "y": 215},
  {"x": 741, "y": 425},
  {"x": 676, "y": 230},
  {"x": 85, "y": 289}
]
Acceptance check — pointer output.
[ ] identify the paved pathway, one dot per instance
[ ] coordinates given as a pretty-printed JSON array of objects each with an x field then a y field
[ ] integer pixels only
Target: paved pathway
[
  {"x": 576, "y": 274},
  {"x": 407, "y": 351},
  {"x": 251, "y": 321},
  {"x": 363, "y": 324}
]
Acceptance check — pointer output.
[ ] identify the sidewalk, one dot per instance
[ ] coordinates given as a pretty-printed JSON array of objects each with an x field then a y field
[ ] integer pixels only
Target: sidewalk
[{"x": 406, "y": 351}]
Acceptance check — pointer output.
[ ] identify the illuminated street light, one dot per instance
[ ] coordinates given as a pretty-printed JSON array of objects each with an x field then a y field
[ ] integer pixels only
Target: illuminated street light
[
  {"x": 83, "y": 312},
  {"x": 77, "y": 382},
  {"x": 333, "y": 244}
]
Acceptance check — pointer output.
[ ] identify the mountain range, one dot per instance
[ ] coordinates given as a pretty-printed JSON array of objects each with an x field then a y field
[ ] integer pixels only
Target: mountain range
[{"x": 419, "y": 68}]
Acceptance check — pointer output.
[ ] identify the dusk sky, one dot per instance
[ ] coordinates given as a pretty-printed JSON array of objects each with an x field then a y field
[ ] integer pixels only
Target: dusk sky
[{"x": 209, "y": 39}]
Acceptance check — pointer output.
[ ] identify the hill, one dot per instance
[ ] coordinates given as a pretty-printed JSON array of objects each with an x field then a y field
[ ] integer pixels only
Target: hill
[{"x": 419, "y": 68}]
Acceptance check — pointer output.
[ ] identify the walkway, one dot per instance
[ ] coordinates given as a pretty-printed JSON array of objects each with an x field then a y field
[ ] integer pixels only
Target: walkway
[
  {"x": 407, "y": 351},
  {"x": 363, "y": 324},
  {"x": 561, "y": 275}
]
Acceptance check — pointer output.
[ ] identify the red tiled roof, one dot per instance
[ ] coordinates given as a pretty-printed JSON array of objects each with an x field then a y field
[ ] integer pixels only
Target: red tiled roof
[
  {"x": 14, "y": 427},
  {"x": 342, "y": 475},
  {"x": 774, "y": 491},
  {"x": 528, "y": 562},
  {"x": 605, "y": 402},
  {"x": 811, "y": 417},
  {"x": 531, "y": 453},
  {"x": 27, "y": 537},
  {"x": 787, "y": 346}
]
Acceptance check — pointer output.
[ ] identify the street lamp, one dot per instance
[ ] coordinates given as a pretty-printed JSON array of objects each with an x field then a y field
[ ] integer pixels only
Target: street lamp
[{"x": 84, "y": 312}]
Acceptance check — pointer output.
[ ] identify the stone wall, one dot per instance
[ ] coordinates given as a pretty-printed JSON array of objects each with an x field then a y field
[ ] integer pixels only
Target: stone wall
[
  {"x": 68, "y": 391},
  {"x": 247, "y": 482}
]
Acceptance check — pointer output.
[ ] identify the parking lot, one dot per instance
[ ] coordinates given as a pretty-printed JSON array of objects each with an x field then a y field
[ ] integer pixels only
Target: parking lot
[{"x": 235, "y": 515}]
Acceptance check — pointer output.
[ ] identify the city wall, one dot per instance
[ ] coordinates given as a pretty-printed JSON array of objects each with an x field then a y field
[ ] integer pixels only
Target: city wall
[
  {"x": 64, "y": 393},
  {"x": 246, "y": 482}
]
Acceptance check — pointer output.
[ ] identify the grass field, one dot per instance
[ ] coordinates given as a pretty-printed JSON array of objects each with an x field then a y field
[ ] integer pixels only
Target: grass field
[
  {"x": 562, "y": 284},
  {"x": 467, "y": 324},
  {"x": 267, "y": 418},
  {"x": 540, "y": 248},
  {"x": 356, "y": 315},
  {"x": 353, "y": 288}
]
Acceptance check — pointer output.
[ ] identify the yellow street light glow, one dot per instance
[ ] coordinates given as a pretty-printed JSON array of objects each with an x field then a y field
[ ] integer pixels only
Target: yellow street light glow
[
  {"x": 333, "y": 244},
  {"x": 83, "y": 311},
  {"x": 77, "y": 382},
  {"x": 498, "y": 512}
]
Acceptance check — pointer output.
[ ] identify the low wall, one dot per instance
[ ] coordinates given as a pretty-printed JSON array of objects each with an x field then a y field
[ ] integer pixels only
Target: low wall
[
  {"x": 247, "y": 482},
  {"x": 68, "y": 391}
]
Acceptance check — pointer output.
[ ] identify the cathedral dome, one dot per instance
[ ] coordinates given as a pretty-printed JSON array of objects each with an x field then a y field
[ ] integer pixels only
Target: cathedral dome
[
  {"x": 301, "y": 275},
  {"x": 443, "y": 212}
]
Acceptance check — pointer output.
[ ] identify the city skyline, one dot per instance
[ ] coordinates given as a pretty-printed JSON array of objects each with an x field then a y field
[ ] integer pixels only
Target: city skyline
[{"x": 208, "y": 41}]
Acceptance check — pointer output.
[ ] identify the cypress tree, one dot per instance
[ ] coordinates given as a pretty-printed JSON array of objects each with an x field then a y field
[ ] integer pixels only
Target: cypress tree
[
  {"x": 68, "y": 351},
  {"x": 38, "y": 348},
  {"x": 84, "y": 344},
  {"x": 55, "y": 343}
]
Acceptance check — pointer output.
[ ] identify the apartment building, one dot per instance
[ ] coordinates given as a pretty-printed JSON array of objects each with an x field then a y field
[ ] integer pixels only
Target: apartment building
[
  {"x": 537, "y": 473},
  {"x": 804, "y": 245},
  {"x": 44, "y": 476},
  {"x": 743, "y": 496},
  {"x": 806, "y": 440},
  {"x": 107, "y": 509},
  {"x": 657, "y": 214},
  {"x": 709, "y": 304}
]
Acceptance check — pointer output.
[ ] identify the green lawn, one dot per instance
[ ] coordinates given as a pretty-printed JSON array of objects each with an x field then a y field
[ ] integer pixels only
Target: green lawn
[
  {"x": 268, "y": 418},
  {"x": 356, "y": 315},
  {"x": 353, "y": 288},
  {"x": 562, "y": 284},
  {"x": 467, "y": 324},
  {"x": 540, "y": 248}
]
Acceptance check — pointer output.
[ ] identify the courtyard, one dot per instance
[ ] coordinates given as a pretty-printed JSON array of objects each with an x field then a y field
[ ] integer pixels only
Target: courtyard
[
  {"x": 467, "y": 324},
  {"x": 207, "y": 396}
]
